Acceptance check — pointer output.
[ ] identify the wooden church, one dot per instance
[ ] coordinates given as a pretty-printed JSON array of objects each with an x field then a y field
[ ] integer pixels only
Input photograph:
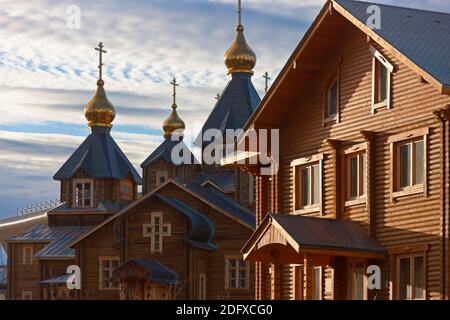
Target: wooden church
[
  {"x": 362, "y": 107},
  {"x": 180, "y": 240}
]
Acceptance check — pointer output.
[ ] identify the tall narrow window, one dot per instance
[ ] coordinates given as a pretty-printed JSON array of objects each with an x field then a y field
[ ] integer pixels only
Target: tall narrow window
[
  {"x": 381, "y": 79},
  {"x": 156, "y": 231},
  {"x": 309, "y": 182},
  {"x": 410, "y": 164},
  {"x": 83, "y": 193},
  {"x": 236, "y": 273},
  {"x": 107, "y": 265},
  {"x": 202, "y": 286},
  {"x": 317, "y": 292},
  {"x": 411, "y": 277},
  {"x": 27, "y": 255},
  {"x": 356, "y": 176},
  {"x": 332, "y": 101}
]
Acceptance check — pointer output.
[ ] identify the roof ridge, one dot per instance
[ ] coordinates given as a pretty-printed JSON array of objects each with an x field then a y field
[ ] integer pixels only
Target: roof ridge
[{"x": 394, "y": 6}]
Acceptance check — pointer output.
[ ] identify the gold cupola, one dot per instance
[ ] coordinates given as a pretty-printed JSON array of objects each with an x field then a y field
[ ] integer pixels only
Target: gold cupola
[
  {"x": 173, "y": 124},
  {"x": 100, "y": 112},
  {"x": 240, "y": 57}
]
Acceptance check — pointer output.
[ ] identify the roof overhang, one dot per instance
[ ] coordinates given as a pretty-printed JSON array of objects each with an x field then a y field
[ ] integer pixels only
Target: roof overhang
[{"x": 272, "y": 241}]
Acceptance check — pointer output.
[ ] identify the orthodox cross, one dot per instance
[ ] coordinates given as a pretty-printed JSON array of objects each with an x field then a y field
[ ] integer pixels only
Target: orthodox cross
[
  {"x": 239, "y": 12},
  {"x": 100, "y": 64},
  {"x": 175, "y": 85},
  {"x": 266, "y": 76},
  {"x": 157, "y": 230}
]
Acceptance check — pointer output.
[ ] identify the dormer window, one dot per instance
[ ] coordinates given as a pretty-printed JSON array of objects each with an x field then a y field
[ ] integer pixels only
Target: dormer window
[{"x": 83, "y": 193}]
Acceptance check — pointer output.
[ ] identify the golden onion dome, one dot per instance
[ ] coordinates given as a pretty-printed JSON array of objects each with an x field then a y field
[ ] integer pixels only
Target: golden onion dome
[
  {"x": 173, "y": 123},
  {"x": 240, "y": 57},
  {"x": 100, "y": 111}
]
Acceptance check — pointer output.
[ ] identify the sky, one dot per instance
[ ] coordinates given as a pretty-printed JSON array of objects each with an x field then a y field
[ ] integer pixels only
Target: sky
[{"x": 48, "y": 71}]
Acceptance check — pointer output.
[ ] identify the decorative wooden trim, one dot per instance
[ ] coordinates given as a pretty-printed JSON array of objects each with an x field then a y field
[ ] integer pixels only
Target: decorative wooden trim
[
  {"x": 307, "y": 160},
  {"x": 413, "y": 248},
  {"x": 308, "y": 209},
  {"x": 412, "y": 134},
  {"x": 355, "y": 202},
  {"x": 25, "y": 249},
  {"x": 360, "y": 147},
  {"x": 409, "y": 191}
]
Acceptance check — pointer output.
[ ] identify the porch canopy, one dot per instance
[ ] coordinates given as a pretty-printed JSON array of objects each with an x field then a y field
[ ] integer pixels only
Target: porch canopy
[
  {"x": 287, "y": 238},
  {"x": 145, "y": 269}
]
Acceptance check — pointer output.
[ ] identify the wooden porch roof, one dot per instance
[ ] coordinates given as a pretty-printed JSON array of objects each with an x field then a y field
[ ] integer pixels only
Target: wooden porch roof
[{"x": 288, "y": 237}]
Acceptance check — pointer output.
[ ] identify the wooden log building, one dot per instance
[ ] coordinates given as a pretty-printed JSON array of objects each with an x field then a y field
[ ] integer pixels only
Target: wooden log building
[{"x": 363, "y": 115}]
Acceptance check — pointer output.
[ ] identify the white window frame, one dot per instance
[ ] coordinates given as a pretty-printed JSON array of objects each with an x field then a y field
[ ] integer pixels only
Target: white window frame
[
  {"x": 202, "y": 286},
  {"x": 411, "y": 288},
  {"x": 237, "y": 286},
  {"x": 378, "y": 57},
  {"x": 298, "y": 165},
  {"x": 395, "y": 142},
  {"x": 361, "y": 197},
  {"x": 148, "y": 232},
  {"x": 320, "y": 281},
  {"x": 161, "y": 174},
  {"x": 83, "y": 182},
  {"x": 101, "y": 259},
  {"x": 25, "y": 256}
]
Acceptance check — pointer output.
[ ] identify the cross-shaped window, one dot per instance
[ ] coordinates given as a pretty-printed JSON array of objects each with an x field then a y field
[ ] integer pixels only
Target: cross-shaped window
[{"x": 156, "y": 231}]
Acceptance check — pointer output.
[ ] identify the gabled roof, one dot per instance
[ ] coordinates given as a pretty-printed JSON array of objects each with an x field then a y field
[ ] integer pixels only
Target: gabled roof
[
  {"x": 101, "y": 157},
  {"x": 164, "y": 152},
  {"x": 418, "y": 38},
  {"x": 234, "y": 107},
  {"x": 220, "y": 202},
  {"x": 313, "y": 234},
  {"x": 154, "y": 271},
  {"x": 214, "y": 199},
  {"x": 422, "y": 36},
  {"x": 202, "y": 228},
  {"x": 223, "y": 181},
  {"x": 59, "y": 239}
]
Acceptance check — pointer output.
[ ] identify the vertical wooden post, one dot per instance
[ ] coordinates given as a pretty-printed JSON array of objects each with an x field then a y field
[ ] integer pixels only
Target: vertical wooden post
[
  {"x": 370, "y": 180},
  {"x": 307, "y": 277},
  {"x": 337, "y": 207}
]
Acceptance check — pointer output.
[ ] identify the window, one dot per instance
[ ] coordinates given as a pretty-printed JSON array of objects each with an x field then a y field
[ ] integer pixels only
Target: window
[
  {"x": 332, "y": 101},
  {"x": 307, "y": 184},
  {"x": 381, "y": 81},
  {"x": 27, "y": 295},
  {"x": 411, "y": 277},
  {"x": 356, "y": 168},
  {"x": 202, "y": 286},
  {"x": 410, "y": 163},
  {"x": 27, "y": 255},
  {"x": 357, "y": 281},
  {"x": 83, "y": 193},
  {"x": 107, "y": 265},
  {"x": 298, "y": 293},
  {"x": 236, "y": 273},
  {"x": 156, "y": 231},
  {"x": 317, "y": 283},
  {"x": 161, "y": 177},
  {"x": 252, "y": 190}
]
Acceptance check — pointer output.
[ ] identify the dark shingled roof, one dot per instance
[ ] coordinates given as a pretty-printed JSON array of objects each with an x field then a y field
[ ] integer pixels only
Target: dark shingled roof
[
  {"x": 102, "y": 207},
  {"x": 422, "y": 36},
  {"x": 202, "y": 228},
  {"x": 59, "y": 238},
  {"x": 222, "y": 180},
  {"x": 233, "y": 109},
  {"x": 100, "y": 156},
  {"x": 157, "y": 272},
  {"x": 310, "y": 232},
  {"x": 221, "y": 201},
  {"x": 164, "y": 152}
]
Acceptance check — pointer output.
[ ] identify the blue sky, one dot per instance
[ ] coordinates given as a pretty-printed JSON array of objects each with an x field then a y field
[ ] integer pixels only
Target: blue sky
[{"x": 48, "y": 73}]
